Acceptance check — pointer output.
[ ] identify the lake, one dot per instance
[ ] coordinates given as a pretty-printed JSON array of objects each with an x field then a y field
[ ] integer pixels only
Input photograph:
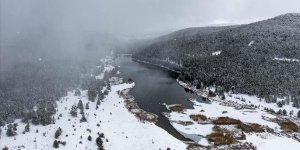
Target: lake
[{"x": 153, "y": 87}]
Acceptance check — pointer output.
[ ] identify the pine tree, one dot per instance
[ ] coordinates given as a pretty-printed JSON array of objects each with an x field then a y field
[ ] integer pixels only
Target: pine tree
[
  {"x": 27, "y": 128},
  {"x": 129, "y": 80},
  {"x": 211, "y": 94},
  {"x": 80, "y": 105},
  {"x": 223, "y": 97},
  {"x": 279, "y": 104},
  {"x": 44, "y": 116},
  {"x": 26, "y": 116},
  {"x": 5, "y": 148},
  {"x": 35, "y": 118},
  {"x": 55, "y": 144},
  {"x": 284, "y": 112},
  {"x": 73, "y": 111},
  {"x": 99, "y": 143},
  {"x": 58, "y": 133},
  {"x": 298, "y": 114},
  {"x": 53, "y": 120},
  {"x": 81, "y": 111},
  {"x": 291, "y": 113},
  {"x": 50, "y": 108},
  {"x": 100, "y": 96},
  {"x": 279, "y": 112},
  {"x": 89, "y": 138},
  {"x": 11, "y": 130},
  {"x": 87, "y": 105},
  {"x": 108, "y": 87},
  {"x": 83, "y": 119},
  {"x": 287, "y": 100},
  {"x": 92, "y": 95},
  {"x": 106, "y": 92},
  {"x": 98, "y": 102}
]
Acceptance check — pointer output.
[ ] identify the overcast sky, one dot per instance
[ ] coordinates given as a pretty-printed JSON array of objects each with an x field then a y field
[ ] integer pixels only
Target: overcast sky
[
  {"x": 136, "y": 17},
  {"x": 30, "y": 29}
]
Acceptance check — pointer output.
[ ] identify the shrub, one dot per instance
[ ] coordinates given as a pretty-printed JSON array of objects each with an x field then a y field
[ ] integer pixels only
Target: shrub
[
  {"x": 289, "y": 126},
  {"x": 177, "y": 108},
  {"x": 221, "y": 138},
  {"x": 198, "y": 117},
  {"x": 58, "y": 133},
  {"x": 251, "y": 127},
  {"x": 89, "y": 138},
  {"x": 226, "y": 121},
  {"x": 55, "y": 144}
]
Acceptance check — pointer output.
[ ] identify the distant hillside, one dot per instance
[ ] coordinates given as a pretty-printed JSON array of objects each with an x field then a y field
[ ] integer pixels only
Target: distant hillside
[{"x": 261, "y": 58}]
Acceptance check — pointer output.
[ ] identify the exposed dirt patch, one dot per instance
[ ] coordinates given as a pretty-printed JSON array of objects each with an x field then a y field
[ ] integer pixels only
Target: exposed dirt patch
[
  {"x": 251, "y": 127},
  {"x": 177, "y": 107},
  {"x": 237, "y": 134},
  {"x": 237, "y": 146},
  {"x": 221, "y": 138},
  {"x": 289, "y": 126},
  {"x": 226, "y": 121},
  {"x": 198, "y": 117},
  {"x": 196, "y": 147}
]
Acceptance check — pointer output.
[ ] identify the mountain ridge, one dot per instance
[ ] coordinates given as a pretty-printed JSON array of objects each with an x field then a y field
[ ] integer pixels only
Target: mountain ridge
[{"x": 250, "y": 57}]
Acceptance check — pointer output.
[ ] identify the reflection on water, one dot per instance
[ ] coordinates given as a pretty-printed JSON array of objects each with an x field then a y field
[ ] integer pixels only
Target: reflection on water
[{"x": 153, "y": 87}]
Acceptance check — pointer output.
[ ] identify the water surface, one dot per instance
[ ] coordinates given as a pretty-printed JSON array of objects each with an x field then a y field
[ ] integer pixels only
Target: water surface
[{"x": 153, "y": 87}]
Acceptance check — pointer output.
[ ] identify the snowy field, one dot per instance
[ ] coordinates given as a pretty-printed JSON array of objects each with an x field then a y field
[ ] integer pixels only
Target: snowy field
[
  {"x": 199, "y": 130},
  {"x": 122, "y": 130}
]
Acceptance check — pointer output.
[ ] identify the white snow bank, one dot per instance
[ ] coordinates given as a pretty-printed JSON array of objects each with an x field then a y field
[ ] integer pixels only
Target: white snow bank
[{"x": 287, "y": 59}]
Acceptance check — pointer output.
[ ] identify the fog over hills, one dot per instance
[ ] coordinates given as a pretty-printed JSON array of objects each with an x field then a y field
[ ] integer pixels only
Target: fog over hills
[{"x": 149, "y": 74}]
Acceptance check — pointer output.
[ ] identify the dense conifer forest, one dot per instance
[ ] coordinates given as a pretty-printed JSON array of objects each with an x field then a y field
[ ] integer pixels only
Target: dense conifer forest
[{"x": 260, "y": 58}]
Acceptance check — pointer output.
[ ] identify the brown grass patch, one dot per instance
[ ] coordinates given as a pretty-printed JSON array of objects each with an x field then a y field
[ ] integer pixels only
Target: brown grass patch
[
  {"x": 251, "y": 127},
  {"x": 196, "y": 147},
  {"x": 289, "y": 126},
  {"x": 177, "y": 108},
  {"x": 226, "y": 121},
  {"x": 147, "y": 116},
  {"x": 221, "y": 138},
  {"x": 198, "y": 117}
]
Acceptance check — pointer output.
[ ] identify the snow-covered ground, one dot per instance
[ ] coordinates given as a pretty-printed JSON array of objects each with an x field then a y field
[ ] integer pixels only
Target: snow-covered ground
[
  {"x": 272, "y": 142},
  {"x": 219, "y": 108},
  {"x": 248, "y": 100},
  {"x": 261, "y": 103},
  {"x": 106, "y": 68},
  {"x": 122, "y": 130}
]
